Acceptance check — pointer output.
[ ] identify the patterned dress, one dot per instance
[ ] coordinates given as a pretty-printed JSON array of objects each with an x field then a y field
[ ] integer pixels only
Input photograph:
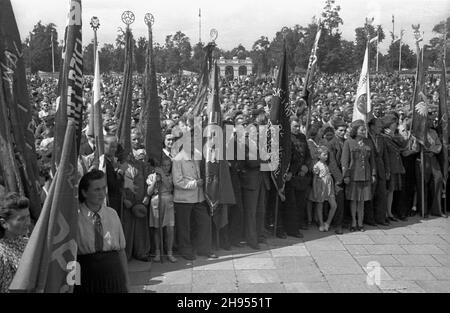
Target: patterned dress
[
  {"x": 11, "y": 251},
  {"x": 323, "y": 187}
]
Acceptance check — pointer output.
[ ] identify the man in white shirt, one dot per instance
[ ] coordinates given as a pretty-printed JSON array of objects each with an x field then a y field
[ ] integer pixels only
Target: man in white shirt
[{"x": 189, "y": 201}]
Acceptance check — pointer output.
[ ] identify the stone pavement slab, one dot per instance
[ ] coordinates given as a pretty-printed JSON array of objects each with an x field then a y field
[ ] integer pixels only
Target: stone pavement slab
[
  {"x": 257, "y": 277},
  {"x": 398, "y": 286},
  {"x": 383, "y": 260},
  {"x": 351, "y": 283},
  {"x": 262, "y": 288},
  {"x": 435, "y": 286},
  {"x": 422, "y": 249},
  {"x": 414, "y": 257},
  {"x": 390, "y": 239},
  {"x": 409, "y": 273},
  {"x": 416, "y": 260},
  {"x": 308, "y": 287}
]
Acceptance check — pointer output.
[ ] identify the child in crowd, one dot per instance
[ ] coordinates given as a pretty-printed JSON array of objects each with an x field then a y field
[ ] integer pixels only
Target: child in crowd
[
  {"x": 323, "y": 189},
  {"x": 160, "y": 189}
]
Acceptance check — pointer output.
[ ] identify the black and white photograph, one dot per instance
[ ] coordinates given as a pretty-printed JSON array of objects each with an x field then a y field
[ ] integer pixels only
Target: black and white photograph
[{"x": 248, "y": 148}]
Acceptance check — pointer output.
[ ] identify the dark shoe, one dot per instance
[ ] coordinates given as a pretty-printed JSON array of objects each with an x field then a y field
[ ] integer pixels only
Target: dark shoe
[
  {"x": 393, "y": 219},
  {"x": 145, "y": 258},
  {"x": 403, "y": 218},
  {"x": 383, "y": 224},
  {"x": 296, "y": 235},
  {"x": 352, "y": 229},
  {"x": 237, "y": 244},
  {"x": 282, "y": 235},
  {"x": 371, "y": 223},
  {"x": 361, "y": 228},
  {"x": 212, "y": 256},
  {"x": 255, "y": 247},
  {"x": 339, "y": 231},
  {"x": 262, "y": 240},
  {"x": 189, "y": 257}
]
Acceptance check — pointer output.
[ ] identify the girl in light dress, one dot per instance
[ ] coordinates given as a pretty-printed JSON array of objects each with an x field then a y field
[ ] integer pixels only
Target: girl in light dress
[
  {"x": 323, "y": 189},
  {"x": 160, "y": 189}
]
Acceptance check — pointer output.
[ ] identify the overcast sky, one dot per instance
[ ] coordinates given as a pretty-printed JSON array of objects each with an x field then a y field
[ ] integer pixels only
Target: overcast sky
[{"x": 237, "y": 21}]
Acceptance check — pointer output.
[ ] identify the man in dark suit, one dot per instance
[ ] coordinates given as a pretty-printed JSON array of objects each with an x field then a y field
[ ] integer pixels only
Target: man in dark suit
[
  {"x": 335, "y": 148},
  {"x": 255, "y": 185},
  {"x": 114, "y": 175},
  {"x": 298, "y": 183}
]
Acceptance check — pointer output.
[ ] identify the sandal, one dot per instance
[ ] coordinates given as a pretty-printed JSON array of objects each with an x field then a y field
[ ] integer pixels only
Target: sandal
[{"x": 172, "y": 259}]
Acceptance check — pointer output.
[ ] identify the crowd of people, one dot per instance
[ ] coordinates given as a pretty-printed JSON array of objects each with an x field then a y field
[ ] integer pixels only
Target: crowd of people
[{"x": 342, "y": 175}]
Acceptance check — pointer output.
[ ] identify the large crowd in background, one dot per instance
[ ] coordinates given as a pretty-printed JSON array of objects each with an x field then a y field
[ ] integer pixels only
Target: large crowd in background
[{"x": 343, "y": 175}]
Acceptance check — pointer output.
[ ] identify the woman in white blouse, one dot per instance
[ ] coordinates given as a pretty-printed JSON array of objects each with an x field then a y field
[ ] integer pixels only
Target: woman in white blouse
[{"x": 100, "y": 239}]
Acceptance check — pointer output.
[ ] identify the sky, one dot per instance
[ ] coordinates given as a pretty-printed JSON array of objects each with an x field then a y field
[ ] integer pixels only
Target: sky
[{"x": 237, "y": 21}]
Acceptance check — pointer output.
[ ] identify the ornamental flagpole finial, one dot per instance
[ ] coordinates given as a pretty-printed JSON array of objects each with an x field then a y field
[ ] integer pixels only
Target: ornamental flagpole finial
[
  {"x": 149, "y": 19},
  {"x": 213, "y": 34},
  {"x": 128, "y": 18}
]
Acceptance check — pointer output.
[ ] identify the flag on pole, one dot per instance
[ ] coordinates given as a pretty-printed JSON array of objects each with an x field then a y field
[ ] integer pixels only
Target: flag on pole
[
  {"x": 279, "y": 116},
  {"x": 443, "y": 123},
  {"x": 362, "y": 106},
  {"x": 218, "y": 188},
  {"x": 123, "y": 112},
  {"x": 202, "y": 95},
  {"x": 308, "y": 89},
  {"x": 150, "y": 115},
  {"x": 48, "y": 263},
  {"x": 420, "y": 105},
  {"x": 71, "y": 82},
  {"x": 18, "y": 156},
  {"x": 96, "y": 112}
]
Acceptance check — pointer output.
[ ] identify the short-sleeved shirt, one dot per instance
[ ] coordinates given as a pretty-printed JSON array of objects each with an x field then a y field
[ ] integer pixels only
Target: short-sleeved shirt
[{"x": 113, "y": 237}]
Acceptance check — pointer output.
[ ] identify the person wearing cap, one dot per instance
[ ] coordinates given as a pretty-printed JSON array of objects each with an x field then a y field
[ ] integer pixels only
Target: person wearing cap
[{"x": 359, "y": 170}]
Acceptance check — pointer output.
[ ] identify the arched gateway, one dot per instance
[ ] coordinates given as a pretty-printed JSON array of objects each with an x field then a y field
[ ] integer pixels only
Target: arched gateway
[{"x": 236, "y": 64}]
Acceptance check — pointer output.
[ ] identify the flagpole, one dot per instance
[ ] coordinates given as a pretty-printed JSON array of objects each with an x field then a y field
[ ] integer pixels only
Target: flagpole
[
  {"x": 377, "y": 51},
  {"x": 400, "y": 53},
  {"x": 149, "y": 21},
  {"x": 53, "y": 53}
]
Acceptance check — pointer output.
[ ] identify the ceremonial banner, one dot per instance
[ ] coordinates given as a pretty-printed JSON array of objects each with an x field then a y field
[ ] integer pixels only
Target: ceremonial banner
[
  {"x": 97, "y": 117},
  {"x": 48, "y": 263},
  {"x": 17, "y": 151},
  {"x": 442, "y": 128},
  {"x": 362, "y": 105},
  {"x": 218, "y": 188},
  {"x": 71, "y": 82},
  {"x": 123, "y": 111},
  {"x": 420, "y": 105},
  {"x": 202, "y": 96},
  {"x": 279, "y": 116},
  {"x": 150, "y": 114},
  {"x": 309, "y": 79}
]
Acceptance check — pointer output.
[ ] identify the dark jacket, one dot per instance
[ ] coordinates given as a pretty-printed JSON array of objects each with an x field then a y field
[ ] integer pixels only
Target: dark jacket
[
  {"x": 394, "y": 146},
  {"x": 335, "y": 147},
  {"x": 381, "y": 156},
  {"x": 300, "y": 156}
]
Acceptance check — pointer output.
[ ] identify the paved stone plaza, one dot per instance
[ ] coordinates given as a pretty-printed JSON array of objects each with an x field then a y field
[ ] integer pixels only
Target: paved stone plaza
[{"x": 414, "y": 257}]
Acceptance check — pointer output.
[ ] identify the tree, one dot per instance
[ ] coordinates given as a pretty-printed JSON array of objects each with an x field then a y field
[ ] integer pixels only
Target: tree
[
  {"x": 197, "y": 57},
  {"x": 361, "y": 41},
  {"x": 106, "y": 58},
  {"x": 39, "y": 48},
  {"x": 436, "y": 47},
  {"x": 88, "y": 59},
  {"x": 408, "y": 56},
  {"x": 259, "y": 55},
  {"x": 140, "y": 53}
]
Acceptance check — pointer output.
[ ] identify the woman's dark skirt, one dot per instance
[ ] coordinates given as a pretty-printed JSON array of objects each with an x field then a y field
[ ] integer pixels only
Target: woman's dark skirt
[
  {"x": 359, "y": 191},
  {"x": 102, "y": 272},
  {"x": 395, "y": 183}
]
